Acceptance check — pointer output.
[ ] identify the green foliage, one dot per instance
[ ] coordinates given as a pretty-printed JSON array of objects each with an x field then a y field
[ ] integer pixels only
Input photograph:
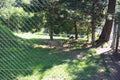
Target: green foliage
[
  {"x": 32, "y": 15},
  {"x": 32, "y": 23},
  {"x": 17, "y": 19},
  {"x": 12, "y": 17},
  {"x": 7, "y": 3}
]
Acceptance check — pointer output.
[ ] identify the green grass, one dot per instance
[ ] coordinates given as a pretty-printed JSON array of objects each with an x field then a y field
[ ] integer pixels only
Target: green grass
[{"x": 20, "y": 60}]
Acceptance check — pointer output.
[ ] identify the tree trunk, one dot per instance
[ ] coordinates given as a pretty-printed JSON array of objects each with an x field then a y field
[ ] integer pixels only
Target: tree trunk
[
  {"x": 93, "y": 25},
  {"x": 105, "y": 35},
  {"x": 117, "y": 40},
  {"x": 93, "y": 35},
  {"x": 76, "y": 31},
  {"x": 51, "y": 32},
  {"x": 88, "y": 34}
]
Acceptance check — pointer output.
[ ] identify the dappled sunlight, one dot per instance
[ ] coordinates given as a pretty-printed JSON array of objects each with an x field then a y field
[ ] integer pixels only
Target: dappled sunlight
[
  {"x": 66, "y": 50},
  {"x": 28, "y": 58},
  {"x": 58, "y": 72},
  {"x": 48, "y": 64},
  {"x": 29, "y": 77},
  {"x": 40, "y": 46},
  {"x": 103, "y": 50},
  {"x": 86, "y": 68},
  {"x": 57, "y": 39},
  {"x": 102, "y": 70},
  {"x": 29, "y": 35}
]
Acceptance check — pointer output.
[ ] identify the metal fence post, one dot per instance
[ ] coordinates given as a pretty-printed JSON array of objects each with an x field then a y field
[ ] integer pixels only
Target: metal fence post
[{"x": 117, "y": 40}]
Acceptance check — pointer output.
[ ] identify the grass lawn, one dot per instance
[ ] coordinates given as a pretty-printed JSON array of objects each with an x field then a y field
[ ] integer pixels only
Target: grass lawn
[{"x": 20, "y": 60}]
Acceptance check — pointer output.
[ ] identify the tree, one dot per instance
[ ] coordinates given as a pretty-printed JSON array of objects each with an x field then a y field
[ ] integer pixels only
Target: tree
[
  {"x": 104, "y": 37},
  {"x": 51, "y": 8},
  {"x": 76, "y": 10}
]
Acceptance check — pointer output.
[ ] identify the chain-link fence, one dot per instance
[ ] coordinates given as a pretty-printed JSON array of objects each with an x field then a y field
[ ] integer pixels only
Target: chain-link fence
[
  {"x": 25, "y": 29},
  {"x": 21, "y": 23}
]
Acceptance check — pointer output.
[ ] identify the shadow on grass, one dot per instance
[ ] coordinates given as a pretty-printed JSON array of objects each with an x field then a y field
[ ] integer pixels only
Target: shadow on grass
[
  {"x": 89, "y": 67},
  {"x": 104, "y": 59},
  {"x": 111, "y": 63},
  {"x": 17, "y": 57}
]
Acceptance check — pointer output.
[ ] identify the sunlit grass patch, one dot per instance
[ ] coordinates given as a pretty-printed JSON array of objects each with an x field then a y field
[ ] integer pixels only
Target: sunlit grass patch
[
  {"x": 30, "y": 35},
  {"x": 58, "y": 72},
  {"x": 34, "y": 76},
  {"x": 48, "y": 65},
  {"x": 24, "y": 59}
]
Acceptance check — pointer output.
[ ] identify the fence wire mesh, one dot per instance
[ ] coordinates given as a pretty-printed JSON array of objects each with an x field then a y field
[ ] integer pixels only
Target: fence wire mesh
[
  {"x": 21, "y": 55},
  {"x": 16, "y": 54}
]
